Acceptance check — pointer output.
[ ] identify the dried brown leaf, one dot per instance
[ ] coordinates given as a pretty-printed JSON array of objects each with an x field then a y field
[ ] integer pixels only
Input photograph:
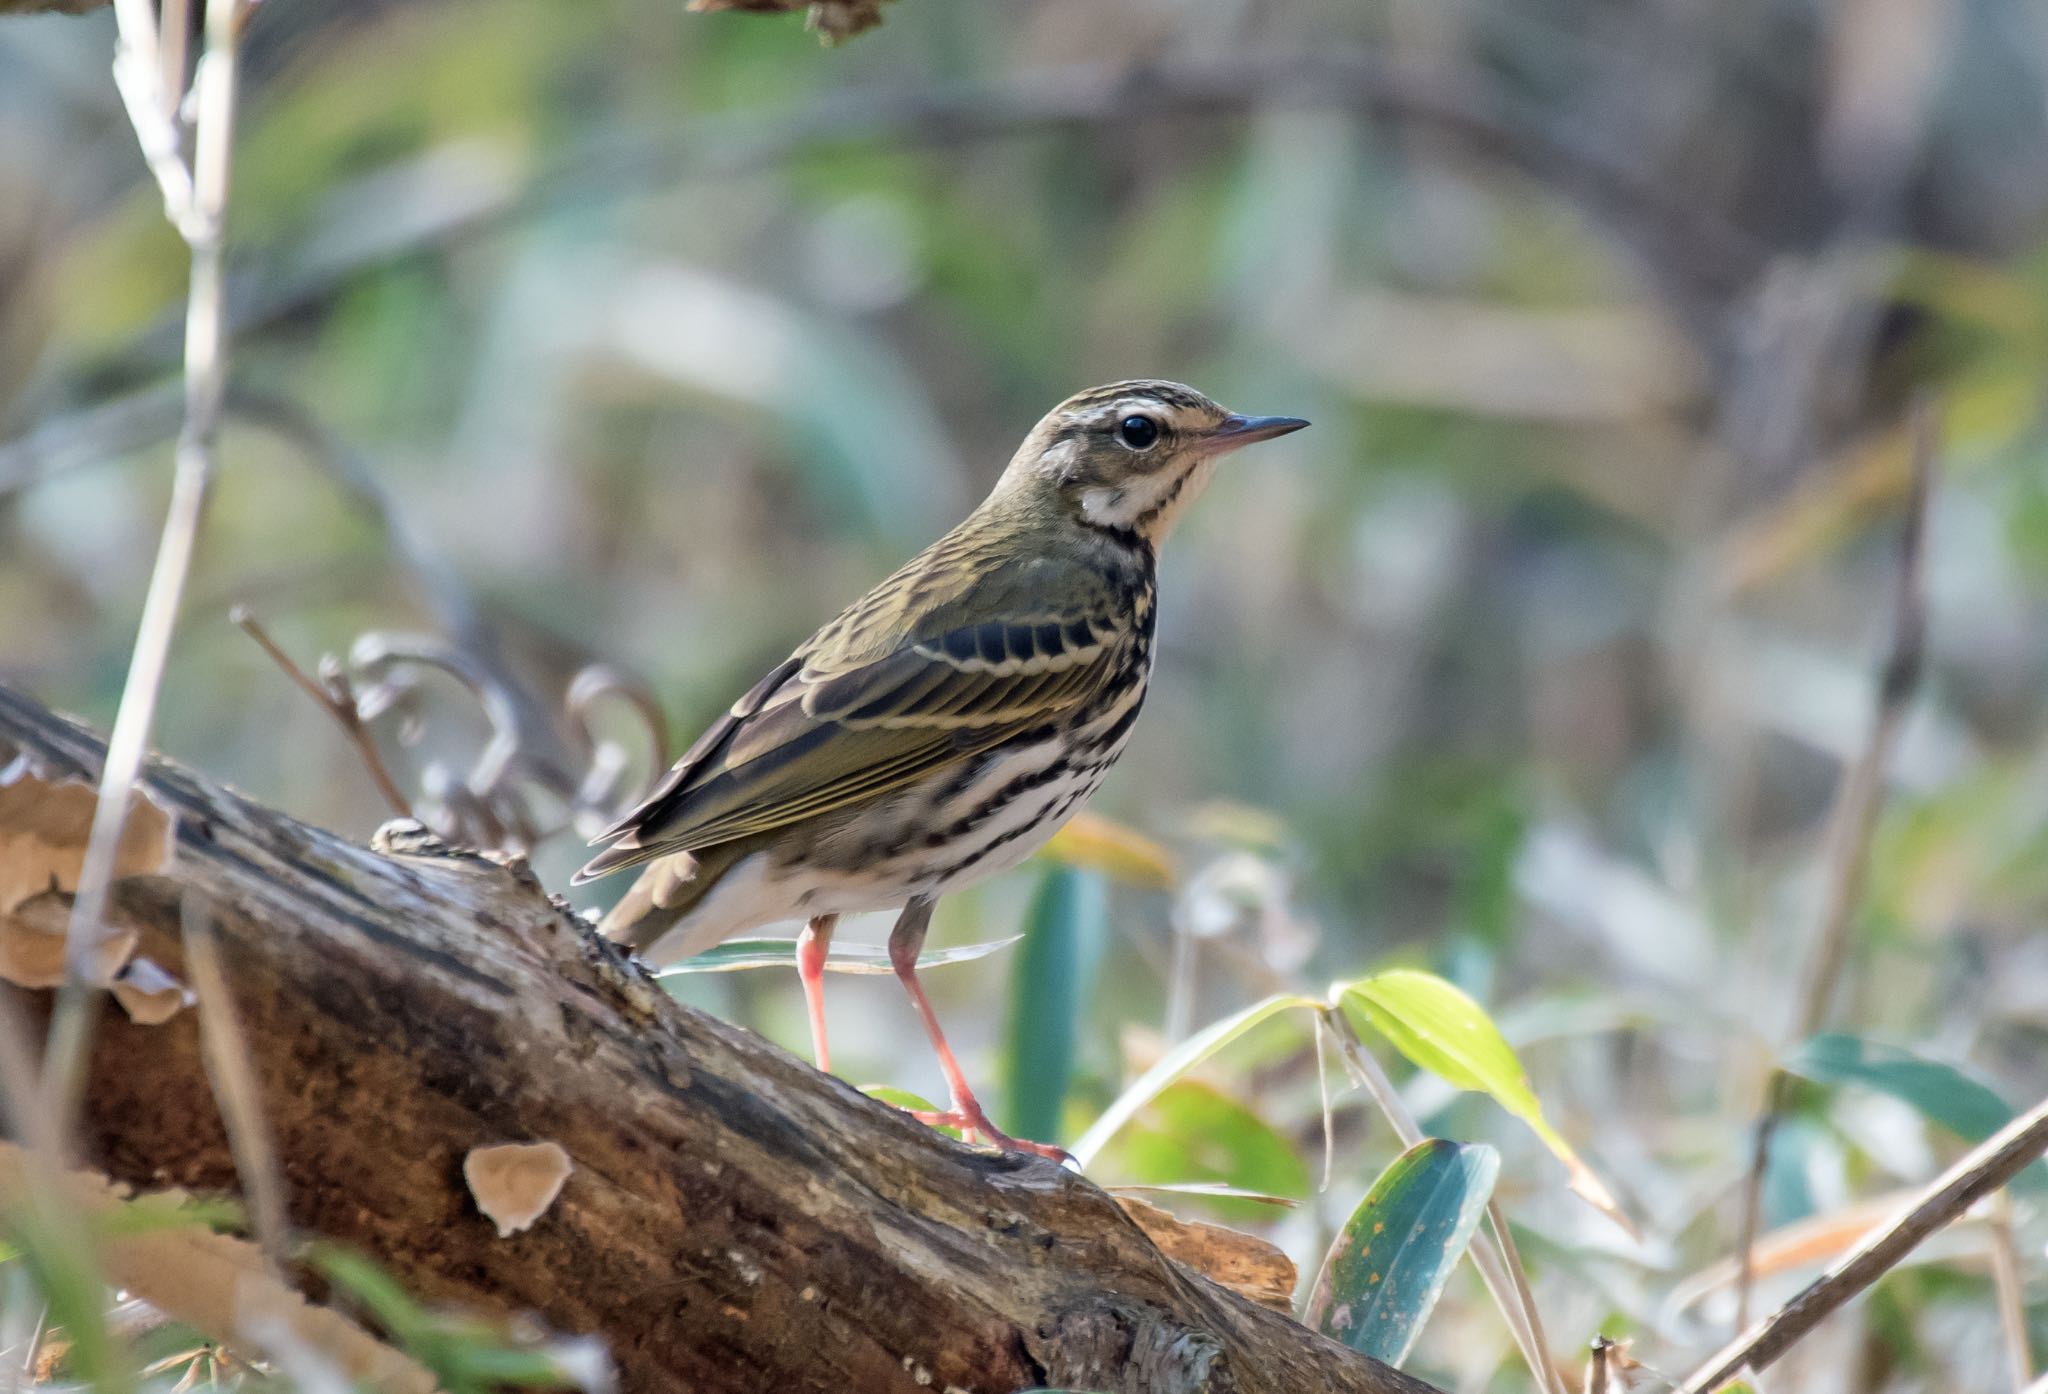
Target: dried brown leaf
[
  {"x": 32, "y": 943},
  {"x": 1244, "y": 1263},
  {"x": 44, "y": 825}
]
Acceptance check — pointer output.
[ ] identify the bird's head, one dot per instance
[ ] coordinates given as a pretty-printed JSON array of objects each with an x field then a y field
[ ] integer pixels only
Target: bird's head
[{"x": 1130, "y": 456}]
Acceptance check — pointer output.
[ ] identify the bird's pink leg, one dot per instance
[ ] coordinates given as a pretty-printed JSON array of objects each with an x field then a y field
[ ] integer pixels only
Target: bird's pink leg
[
  {"x": 811, "y": 946},
  {"x": 906, "y": 941}
]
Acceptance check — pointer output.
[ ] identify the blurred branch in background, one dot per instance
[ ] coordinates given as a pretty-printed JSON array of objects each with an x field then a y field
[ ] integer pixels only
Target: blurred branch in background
[
  {"x": 1846, "y": 850},
  {"x": 1977, "y": 1175},
  {"x": 1701, "y": 259}
]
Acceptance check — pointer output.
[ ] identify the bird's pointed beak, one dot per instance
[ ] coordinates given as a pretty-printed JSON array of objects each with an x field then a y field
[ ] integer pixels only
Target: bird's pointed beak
[{"x": 1236, "y": 431}]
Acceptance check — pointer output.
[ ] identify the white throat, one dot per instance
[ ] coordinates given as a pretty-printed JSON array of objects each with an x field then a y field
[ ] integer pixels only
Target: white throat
[{"x": 1152, "y": 504}]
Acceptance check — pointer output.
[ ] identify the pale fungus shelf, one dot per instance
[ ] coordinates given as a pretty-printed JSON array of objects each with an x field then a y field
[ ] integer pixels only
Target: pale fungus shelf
[{"x": 514, "y": 1183}]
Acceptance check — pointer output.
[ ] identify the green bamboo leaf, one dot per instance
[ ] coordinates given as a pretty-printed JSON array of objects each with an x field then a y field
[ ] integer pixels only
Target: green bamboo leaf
[
  {"x": 1946, "y": 1095},
  {"x": 1177, "y": 1062},
  {"x": 1387, "y": 1268},
  {"x": 1050, "y": 988},
  {"x": 1195, "y": 1133},
  {"x": 736, "y": 954},
  {"x": 1443, "y": 1031},
  {"x": 907, "y": 1101}
]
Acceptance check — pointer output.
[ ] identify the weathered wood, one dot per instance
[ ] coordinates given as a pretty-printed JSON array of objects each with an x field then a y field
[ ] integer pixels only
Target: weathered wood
[{"x": 735, "y": 1221}]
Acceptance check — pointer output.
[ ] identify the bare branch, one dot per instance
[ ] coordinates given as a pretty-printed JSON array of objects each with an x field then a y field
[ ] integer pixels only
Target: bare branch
[
  {"x": 1983, "y": 1170},
  {"x": 734, "y": 1220}
]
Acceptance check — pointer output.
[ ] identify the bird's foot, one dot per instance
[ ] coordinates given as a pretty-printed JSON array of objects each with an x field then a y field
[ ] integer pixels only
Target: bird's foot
[{"x": 967, "y": 1116}]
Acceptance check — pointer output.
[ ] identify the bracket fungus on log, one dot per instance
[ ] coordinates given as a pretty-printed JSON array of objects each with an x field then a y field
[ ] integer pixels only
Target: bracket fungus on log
[
  {"x": 150, "y": 995},
  {"x": 45, "y": 821},
  {"x": 514, "y": 1183}
]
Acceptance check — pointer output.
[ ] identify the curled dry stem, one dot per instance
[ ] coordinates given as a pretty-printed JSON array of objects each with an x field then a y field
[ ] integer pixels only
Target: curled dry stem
[{"x": 335, "y": 696}]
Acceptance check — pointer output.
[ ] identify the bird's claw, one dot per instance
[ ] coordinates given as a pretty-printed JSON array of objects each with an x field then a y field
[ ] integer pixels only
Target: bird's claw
[{"x": 974, "y": 1126}]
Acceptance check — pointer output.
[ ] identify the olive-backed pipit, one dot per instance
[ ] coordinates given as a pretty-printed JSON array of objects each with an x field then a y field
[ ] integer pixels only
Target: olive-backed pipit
[{"x": 946, "y": 724}]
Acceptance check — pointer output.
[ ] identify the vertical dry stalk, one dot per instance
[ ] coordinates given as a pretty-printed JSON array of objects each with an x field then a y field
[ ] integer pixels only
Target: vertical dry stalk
[
  {"x": 195, "y": 200},
  {"x": 2011, "y": 1292},
  {"x": 1492, "y": 1255},
  {"x": 1850, "y": 824},
  {"x": 233, "y": 1077}
]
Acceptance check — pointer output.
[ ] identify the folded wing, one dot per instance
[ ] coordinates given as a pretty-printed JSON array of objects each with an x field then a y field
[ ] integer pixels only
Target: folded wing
[{"x": 874, "y": 703}]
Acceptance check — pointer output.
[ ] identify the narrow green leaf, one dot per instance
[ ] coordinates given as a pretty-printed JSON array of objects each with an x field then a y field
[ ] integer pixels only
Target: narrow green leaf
[
  {"x": 907, "y": 1101},
  {"x": 1050, "y": 988},
  {"x": 1212, "y": 1189},
  {"x": 466, "y": 1355},
  {"x": 736, "y": 954},
  {"x": 376, "y": 1291},
  {"x": 1387, "y": 1268},
  {"x": 1443, "y": 1031},
  {"x": 1949, "y": 1096},
  {"x": 1177, "y": 1062}
]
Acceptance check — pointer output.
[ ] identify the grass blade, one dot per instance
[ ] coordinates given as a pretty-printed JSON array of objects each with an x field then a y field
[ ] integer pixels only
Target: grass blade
[
  {"x": 1054, "y": 980},
  {"x": 1177, "y": 1062},
  {"x": 736, "y": 954}
]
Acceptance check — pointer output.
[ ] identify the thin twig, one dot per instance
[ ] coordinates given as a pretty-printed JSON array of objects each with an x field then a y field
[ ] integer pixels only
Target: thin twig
[
  {"x": 1980, "y": 1172},
  {"x": 233, "y": 1077},
  {"x": 1322, "y": 1031},
  {"x": 1598, "y": 1377},
  {"x": 1850, "y": 825},
  {"x": 1502, "y": 1276},
  {"x": 2010, "y": 1291},
  {"x": 338, "y": 703},
  {"x": 205, "y": 389}
]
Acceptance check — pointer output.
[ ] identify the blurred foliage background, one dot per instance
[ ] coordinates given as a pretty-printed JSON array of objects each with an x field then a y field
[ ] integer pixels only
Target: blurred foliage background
[{"x": 581, "y": 332}]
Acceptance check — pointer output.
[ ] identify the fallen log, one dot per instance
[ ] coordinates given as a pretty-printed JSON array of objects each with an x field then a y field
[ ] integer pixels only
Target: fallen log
[{"x": 732, "y": 1220}]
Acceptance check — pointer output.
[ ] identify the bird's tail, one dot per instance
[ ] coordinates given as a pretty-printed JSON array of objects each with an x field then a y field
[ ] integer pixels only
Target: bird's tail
[{"x": 655, "y": 915}]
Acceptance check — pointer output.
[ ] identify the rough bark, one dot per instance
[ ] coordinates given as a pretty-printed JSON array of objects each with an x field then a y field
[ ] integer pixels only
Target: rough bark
[{"x": 734, "y": 1221}]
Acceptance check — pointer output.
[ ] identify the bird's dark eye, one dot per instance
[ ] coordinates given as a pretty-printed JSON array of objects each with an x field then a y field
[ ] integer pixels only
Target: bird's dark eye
[{"x": 1138, "y": 432}]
